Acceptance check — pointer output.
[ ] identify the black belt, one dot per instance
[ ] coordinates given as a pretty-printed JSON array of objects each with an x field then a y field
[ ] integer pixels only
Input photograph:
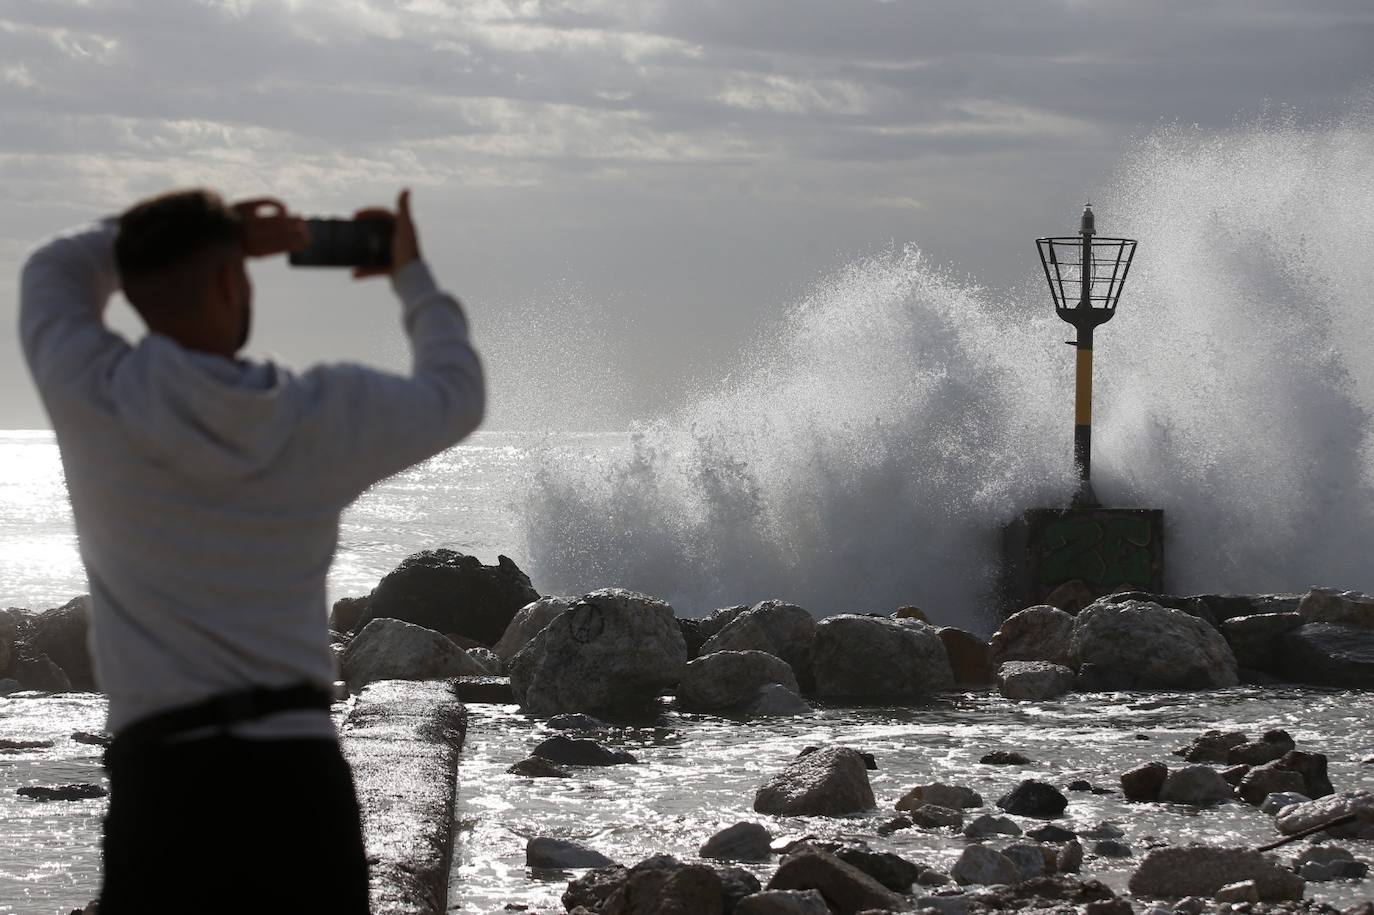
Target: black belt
[{"x": 220, "y": 712}]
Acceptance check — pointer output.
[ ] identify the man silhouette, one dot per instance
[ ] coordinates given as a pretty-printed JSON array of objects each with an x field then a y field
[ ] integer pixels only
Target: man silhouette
[{"x": 207, "y": 491}]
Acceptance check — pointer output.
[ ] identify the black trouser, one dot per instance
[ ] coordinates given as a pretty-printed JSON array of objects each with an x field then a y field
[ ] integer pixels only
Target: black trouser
[{"x": 226, "y": 825}]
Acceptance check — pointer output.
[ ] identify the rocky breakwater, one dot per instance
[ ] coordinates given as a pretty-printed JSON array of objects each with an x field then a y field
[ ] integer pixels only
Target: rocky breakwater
[{"x": 46, "y": 651}]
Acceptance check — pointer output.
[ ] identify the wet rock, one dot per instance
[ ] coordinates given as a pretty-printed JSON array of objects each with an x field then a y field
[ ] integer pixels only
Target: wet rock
[
  {"x": 96, "y": 740},
  {"x": 847, "y": 889},
  {"x": 1143, "y": 782},
  {"x": 543, "y": 851},
  {"x": 74, "y": 792},
  {"x": 612, "y": 650},
  {"x": 593, "y": 888},
  {"x": 1270, "y": 778},
  {"x": 690, "y": 889},
  {"x": 1254, "y": 639},
  {"x": 1312, "y": 768},
  {"x": 1244, "y": 891},
  {"x": 1328, "y": 605},
  {"x": 1202, "y": 870},
  {"x": 1197, "y": 786},
  {"x": 984, "y": 865},
  {"x": 61, "y": 634},
  {"x": 538, "y": 767},
  {"x": 1029, "y": 860},
  {"x": 389, "y": 649},
  {"x": 576, "y": 721},
  {"x": 783, "y": 902},
  {"x": 528, "y": 622},
  {"x": 910, "y": 613},
  {"x": 1040, "y": 633},
  {"x": 1321, "y": 863},
  {"x": 717, "y": 620},
  {"x": 42, "y": 674},
  {"x": 1033, "y": 798},
  {"x": 1329, "y": 654},
  {"x": 1051, "y": 832},
  {"x": 934, "y": 816},
  {"x": 1211, "y": 746},
  {"x": 347, "y": 613},
  {"x": 871, "y": 658},
  {"x": 968, "y": 656},
  {"x": 891, "y": 870},
  {"x": 15, "y": 746},
  {"x": 1070, "y": 858},
  {"x": 773, "y": 700},
  {"x": 1234, "y": 775},
  {"x": 1079, "y": 784},
  {"x": 870, "y": 763},
  {"x": 487, "y": 690},
  {"x": 777, "y": 627},
  {"x": 1258, "y": 752},
  {"x": 448, "y": 591},
  {"x": 1104, "y": 829},
  {"x": 1112, "y": 848},
  {"x": 986, "y": 825},
  {"x": 896, "y": 824},
  {"x": 729, "y": 679},
  {"x": 1033, "y": 680},
  {"x": 939, "y": 793},
  {"x": 1326, "y": 809},
  {"x": 488, "y": 659},
  {"x": 740, "y": 842},
  {"x": 1275, "y": 803},
  {"x": 830, "y": 782},
  {"x": 1005, "y": 758},
  {"x": 576, "y": 751},
  {"x": 1145, "y": 646}
]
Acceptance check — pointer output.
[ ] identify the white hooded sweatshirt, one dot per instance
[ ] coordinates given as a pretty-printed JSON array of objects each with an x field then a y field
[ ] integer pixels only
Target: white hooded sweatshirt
[{"x": 207, "y": 491}]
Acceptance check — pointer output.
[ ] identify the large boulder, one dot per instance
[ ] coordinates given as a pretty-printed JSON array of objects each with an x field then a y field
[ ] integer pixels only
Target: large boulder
[
  {"x": 1033, "y": 680},
  {"x": 451, "y": 592},
  {"x": 878, "y": 658},
  {"x": 528, "y": 621},
  {"x": 1040, "y": 633},
  {"x": 1254, "y": 639},
  {"x": 1141, "y": 645},
  {"x": 983, "y": 865},
  {"x": 60, "y": 633},
  {"x": 1328, "y": 654},
  {"x": 731, "y": 679},
  {"x": 1201, "y": 870},
  {"x": 40, "y": 673},
  {"x": 1312, "y": 813},
  {"x": 388, "y": 649},
  {"x": 347, "y": 613},
  {"x": 1328, "y": 605},
  {"x": 613, "y": 650},
  {"x": 774, "y": 626},
  {"x": 660, "y": 885},
  {"x": 968, "y": 656},
  {"x": 847, "y": 889},
  {"x": 1197, "y": 786},
  {"x": 832, "y": 781}
]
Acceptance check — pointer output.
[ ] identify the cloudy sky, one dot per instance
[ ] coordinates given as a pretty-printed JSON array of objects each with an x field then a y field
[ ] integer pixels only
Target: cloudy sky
[{"x": 625, "y": 191}]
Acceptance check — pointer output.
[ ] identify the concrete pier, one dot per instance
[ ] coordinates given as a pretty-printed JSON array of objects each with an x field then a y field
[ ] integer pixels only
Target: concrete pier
[{"x": 402, "y": 739}]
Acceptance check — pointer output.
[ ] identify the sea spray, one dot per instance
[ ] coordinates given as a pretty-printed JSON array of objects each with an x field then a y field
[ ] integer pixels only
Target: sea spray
[{"x": 866, "y": 456}]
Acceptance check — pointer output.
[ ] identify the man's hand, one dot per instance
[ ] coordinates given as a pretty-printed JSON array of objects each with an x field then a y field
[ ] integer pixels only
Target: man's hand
[
  {"x": 268, "y": 229},
  {"x": 405, "y": 245}
]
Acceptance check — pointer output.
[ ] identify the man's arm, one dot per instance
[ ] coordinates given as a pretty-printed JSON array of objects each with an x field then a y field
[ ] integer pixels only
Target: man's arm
[{"x": 63, "y": 290}]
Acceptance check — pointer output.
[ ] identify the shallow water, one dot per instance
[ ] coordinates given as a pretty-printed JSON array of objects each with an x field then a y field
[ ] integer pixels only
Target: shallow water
[{"x": 697, "y": 774}]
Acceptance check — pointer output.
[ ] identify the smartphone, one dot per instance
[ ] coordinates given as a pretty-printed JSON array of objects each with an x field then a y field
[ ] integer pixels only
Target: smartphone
[{"x": 346, "y": 243}]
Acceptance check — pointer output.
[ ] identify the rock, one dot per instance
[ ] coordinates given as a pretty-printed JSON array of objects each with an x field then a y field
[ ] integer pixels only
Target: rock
[
  {"x": 95, "y": 740},
  {"x": 528, "y": 621},
  {"x": 983, "y": 865},
  {"x": 662, "y": 884},
  {"x": 612, "y": 650},
  {"x": 488, "y": 690},
  {"x": 1270, "y": 778},
  {"x": 448, "y": 591},
  {"x": 1235, "y": 774},
  {"x": 934, "y": 816},
  {"x": 986, "y": 824},
  {"x": 1328, "y": 605},
  {"x": 1070, "y": 858},
  {"x": 15, "y": 746},
  {"x": 1328, "y": 654},
  {"x": 1320, "y": 863},
  {"x": 1071, "y": 596},
  {"x": 910, "y": 613},
  {"x": 783, "y": 902},
  {"x": 592, "y": 889},
  {"x": 1202, "y": 870},
  {"x": 1312, "y": 768},
  {"x": 347, "y": 613},
  {"x": 1326, "y": 809},
  {"x": 75, "y": 792},
  {"x": 1005, "y": 758},
  {"x": 773, "y": 700},
  {"x": 891, "y": 870},
  {"x": 712, "y": 624},
  {"x": 830, "y": 782},
  {"x": 1143, "y": 782},
  {"x": 1079, "y": 784},
  {"x": 895, "y": 824},
  {"x": 1030, "y": 860},
  {"x": 1052, "y": 832},
  {"x": 60, "y": 633},
  {"x": 576, "y": 721},
  {"x": 1254, "y": 639},
  {"x": 488, "y": 660},
  {"x": 1033, "y": 680},
  {"x": 875, "y": 658},
  {"x": 1197, "y": 786},
  {"x": 730, "y": 679},
  {"x": 741, "y": 842},
  {"x": 1275, "y": 803},
  {"x": 9, "y": 631},
  {"x": 560, "y": 853},
  {"x": 1040, "y": 633},
  {"x": 576, "y": 751},
  {"x": 1112, "y": 848},
  {"x": 1033, "y": 798},
  {"x": 389, "y": 649},
  {"x": 1139, "y": 645},
  {"x": 41, "y": 674},
  {"x": 538, "y": 767},
  {"x": 779, "y": 628},
  {"x": 968, "y": 656},
  {"x": 938, "y": 793},
  {"x": 1211, "y": 746},
  {"x": 1259, "y": 752},
  {"x": 9, "y": 685},
  {"x": 1244, "y": 891},
  {"x": 847, "y": 889}
]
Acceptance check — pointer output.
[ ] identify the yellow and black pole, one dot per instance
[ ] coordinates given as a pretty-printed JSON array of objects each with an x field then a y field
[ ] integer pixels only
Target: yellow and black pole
[{"x": 1099, "y": 267}]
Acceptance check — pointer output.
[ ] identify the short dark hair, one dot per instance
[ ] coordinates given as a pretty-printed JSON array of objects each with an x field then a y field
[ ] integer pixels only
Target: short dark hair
[{"x": 166, "y": 230}]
